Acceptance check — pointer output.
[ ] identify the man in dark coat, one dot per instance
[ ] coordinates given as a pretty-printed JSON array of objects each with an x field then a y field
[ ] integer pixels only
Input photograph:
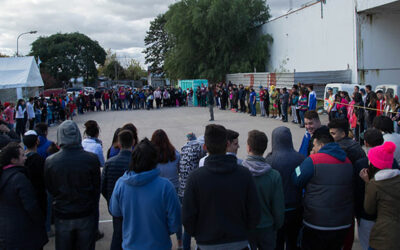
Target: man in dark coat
[
  {"x": 72, "y": 177},
  {"x": 221, "y": 201}
]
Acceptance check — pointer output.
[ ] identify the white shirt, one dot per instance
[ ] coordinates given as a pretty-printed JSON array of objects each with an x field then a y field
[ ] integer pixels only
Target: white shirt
[
  {"x": 202, "y": 160},
  {"x": 30, "y": 110},
  {"x": 20, "y": 112}
]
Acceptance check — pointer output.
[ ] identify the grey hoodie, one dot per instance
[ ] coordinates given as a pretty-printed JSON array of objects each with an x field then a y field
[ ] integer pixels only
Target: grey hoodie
[
  {"x": 68, "y": 134},
  {"x": 256, "y": 164}
]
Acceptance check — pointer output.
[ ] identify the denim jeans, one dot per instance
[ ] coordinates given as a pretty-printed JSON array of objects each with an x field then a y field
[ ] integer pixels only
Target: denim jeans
[
  {"x": 284, "y": 112},
  {"x": 76, "y": 233},
  {"x": 262, "y": 108},
  {"x": 302, "y": 112},
  {"x": 116, "y": 242},
  {"x": 253, "y": 109},
  {"x": 187, "y": 239},
  {"x": 49, "y": 211}
]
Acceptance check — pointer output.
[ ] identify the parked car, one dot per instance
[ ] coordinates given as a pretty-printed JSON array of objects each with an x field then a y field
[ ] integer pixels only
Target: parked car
[
  {"x": 74, "y": 91},
  {"x": 54, "y": 92},
  {"x": 89, "y": 90}
]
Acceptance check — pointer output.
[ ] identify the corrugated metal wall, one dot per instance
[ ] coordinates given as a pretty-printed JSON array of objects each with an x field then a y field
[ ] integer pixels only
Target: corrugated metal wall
[{"x": 262, "y": 79}]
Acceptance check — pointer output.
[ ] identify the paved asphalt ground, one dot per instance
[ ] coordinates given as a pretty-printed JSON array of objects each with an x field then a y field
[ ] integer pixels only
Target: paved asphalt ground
[{"x": 176, "y": 122}]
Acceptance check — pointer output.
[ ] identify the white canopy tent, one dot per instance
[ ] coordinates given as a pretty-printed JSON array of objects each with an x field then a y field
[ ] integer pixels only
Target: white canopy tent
[{"x": 19, "y": 77}]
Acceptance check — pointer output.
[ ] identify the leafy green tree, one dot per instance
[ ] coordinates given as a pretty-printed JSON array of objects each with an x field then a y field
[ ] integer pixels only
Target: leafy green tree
[
  {"x": 210, "y": 38},
  {"x": 157, "y": 44},
  {"x": 3, "y": 55},
  {"x": 112, "y": 68},
  {"x": 134, "y": 71},
  {"x": 65, "y": 56}
]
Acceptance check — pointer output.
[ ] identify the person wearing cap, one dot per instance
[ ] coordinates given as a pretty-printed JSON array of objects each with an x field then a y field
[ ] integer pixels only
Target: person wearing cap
[
  {"x": 34, "y": 165},
  {"x": 382, "y": 197}
]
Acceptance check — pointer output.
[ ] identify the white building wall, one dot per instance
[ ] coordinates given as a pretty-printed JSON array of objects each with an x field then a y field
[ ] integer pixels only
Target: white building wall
[
  {"x": 379, "y": 45},
  {"x": 315, "y": 38},
  {"x": 363, "y": 5}
]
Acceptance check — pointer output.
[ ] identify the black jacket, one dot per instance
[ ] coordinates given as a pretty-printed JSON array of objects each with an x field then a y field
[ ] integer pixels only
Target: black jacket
[
  {"x": 35, "y": 169},
  {"x": 352, "y": 148},
  {"x": 221, "y": 202},
  {"x": 285, "y": 159},
  {"x": 72, "y": 176},
  {"x": 114, "y": 168},
  {"x": 210, "y": 97},
  {"x": 22, "y": 224}
]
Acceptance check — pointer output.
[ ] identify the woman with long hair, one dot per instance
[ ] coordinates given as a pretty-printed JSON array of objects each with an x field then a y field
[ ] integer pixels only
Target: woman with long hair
[
  {"x": 114, "y": 149},
  {"x": 168, "y": 163},
  {"x": 22, "y": 224},
  {"x": 19, "y": 117},
  {"x": 114, "y": 145}
]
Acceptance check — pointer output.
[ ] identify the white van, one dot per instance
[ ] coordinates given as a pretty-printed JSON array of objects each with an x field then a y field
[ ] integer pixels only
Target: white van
[
  {"x": 336, "y": 87},
  {"x": 389, "y": 88}
]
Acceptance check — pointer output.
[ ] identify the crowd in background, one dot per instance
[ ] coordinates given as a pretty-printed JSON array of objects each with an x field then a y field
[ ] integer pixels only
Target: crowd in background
[{"x": 310, "y": 198}]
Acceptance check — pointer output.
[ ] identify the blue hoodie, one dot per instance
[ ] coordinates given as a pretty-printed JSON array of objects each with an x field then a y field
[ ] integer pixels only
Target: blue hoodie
[
  {"x": 44, "y": 144},
  {"x": 150, "y": 209}
]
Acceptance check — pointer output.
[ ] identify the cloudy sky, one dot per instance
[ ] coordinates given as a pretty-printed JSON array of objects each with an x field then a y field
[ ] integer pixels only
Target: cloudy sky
[{"x": 119, "y": 25}]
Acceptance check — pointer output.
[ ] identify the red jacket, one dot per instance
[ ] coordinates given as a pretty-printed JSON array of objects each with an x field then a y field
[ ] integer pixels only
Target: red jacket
[{"x": 380, "y": 106}]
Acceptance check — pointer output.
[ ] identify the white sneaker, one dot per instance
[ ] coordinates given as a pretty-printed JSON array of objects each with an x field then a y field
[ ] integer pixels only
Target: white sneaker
[{"x": 277, "y": 118}]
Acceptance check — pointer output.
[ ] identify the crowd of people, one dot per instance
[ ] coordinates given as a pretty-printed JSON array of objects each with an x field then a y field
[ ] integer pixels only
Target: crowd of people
[
  {"x": 57, "y": 108},
  {"x": 310, "y": 198}
]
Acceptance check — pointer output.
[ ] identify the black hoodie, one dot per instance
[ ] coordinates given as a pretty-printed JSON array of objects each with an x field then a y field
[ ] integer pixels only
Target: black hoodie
[
  {"x": 285, "y": 159},
  {"x": 220, "y": 203}
]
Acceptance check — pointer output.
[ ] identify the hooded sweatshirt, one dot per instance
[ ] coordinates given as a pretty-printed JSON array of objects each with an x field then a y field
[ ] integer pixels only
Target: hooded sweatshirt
[
  {"x": 285, "y": 159},
  {"x": 150, "y": 209},
  {"x": 220, "y": 203},
  {"x": 382, "y": 196},
  {"x": 328, "y": 179},
  {"x": 270, "y": 193},
  {"x": 72, "y": 175}
]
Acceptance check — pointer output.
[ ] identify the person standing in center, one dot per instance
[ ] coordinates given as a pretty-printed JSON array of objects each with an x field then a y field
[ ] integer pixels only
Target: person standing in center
[
  {"x": 220, "y": 203},
  {"x": 210, "y": 102}
]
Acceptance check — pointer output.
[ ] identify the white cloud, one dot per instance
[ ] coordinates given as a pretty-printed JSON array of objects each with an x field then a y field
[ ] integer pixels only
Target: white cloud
[{"x": 120, "y": 25}]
